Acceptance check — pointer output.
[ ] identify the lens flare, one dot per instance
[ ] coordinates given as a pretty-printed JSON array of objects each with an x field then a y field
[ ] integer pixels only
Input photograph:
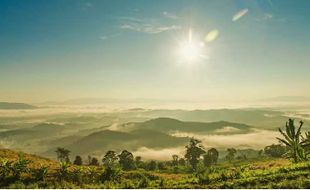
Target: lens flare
[
  {"x": 240, "y": 14},
  {"x": 212, "y": 35}
]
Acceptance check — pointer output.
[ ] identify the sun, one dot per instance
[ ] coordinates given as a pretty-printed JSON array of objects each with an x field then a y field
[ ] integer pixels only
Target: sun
[{"x": 190, "y": 50}]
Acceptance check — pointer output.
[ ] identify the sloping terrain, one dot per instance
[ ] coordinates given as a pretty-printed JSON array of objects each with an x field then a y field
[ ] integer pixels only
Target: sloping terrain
[
  {"x": 7, "y": 105},
  {"x": 168, "y": 125},
  {"x": 256, "y": 173},
  {"x": 102, "y": 141}
]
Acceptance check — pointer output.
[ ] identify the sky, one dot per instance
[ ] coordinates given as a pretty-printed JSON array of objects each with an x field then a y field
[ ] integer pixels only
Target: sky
[{"x": 204, "y": 50}]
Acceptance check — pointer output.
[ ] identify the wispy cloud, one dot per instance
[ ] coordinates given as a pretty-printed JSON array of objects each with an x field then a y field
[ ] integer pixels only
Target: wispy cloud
[
  {"x": 170, "y": 15},
  {"x": 146, "y": 25},
  {"x": 103, "y": 37},
  {"x": 85, "y": 5},
  {"x": 270, "y": 17},
  {"x": 106, "y": 37}
]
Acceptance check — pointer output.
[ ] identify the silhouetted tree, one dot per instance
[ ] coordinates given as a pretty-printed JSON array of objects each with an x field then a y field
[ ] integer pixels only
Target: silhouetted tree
[
  {"x": 275, "y": 150},
  {"x": 260, "y": 153},
  {"x": 161, "y": 166},
  {"x": 211, "y": 157},
  {"x": 175, "y": 160},
  {"x": 126, "y": 160},
  {"x": 94, "y": 162},
  {"x": 138, "y": 162},
  {"x": 151, "y": 165},
  {"x": 292, "y": 139},
  {"x": 193, "y": 152},
  {"x": 62, "y": 154},
  {"x": 231, "y": 154},
  {"x": 109, "y": 159},
  {"x": 78, "y": 160},
  {"x": 182, "y": 161}
]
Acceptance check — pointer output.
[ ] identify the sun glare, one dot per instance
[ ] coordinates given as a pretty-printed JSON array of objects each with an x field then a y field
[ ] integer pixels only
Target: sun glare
[{"x": 190, "y": 50}]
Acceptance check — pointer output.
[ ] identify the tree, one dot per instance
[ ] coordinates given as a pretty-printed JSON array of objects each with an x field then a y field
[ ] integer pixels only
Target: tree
[
  {"x": 94, "y": 162},
  {"x": 292, "y": 139},
  {"x": 175, "y": 160},
  {"x": 78, "y": 160},
  {"x": 138, "y": 162},
  {"x": 275, "y": 150},
  {"x": 152, "y": 165},
  {"x": 182, "y": 161},
  {"x": 260, "y": 153},
  {"x": 126, "y": 160},
  {"x": 161, "y": 166},
  {"x": 63, "y": 154},
  {"x": 109, "y": 159},
  {"x": 193, "y": 152},
  {"x": 231, "y": 154},
  {"x": 211, "y": 157}
]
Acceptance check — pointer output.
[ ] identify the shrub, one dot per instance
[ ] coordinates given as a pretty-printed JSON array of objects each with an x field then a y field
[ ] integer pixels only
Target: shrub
[
  {"x": 5, "y": 169},
  {"x": 63, "y": 171},
  {"x": 19, "y": 167},
  {"x": 144, "y": 182},
  {"x": 110, "y": 174},
  {"x": 40, "y": 173}
]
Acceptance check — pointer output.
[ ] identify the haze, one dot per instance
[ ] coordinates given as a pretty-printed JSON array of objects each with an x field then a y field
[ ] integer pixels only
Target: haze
[{"x": 237, "y": 50}]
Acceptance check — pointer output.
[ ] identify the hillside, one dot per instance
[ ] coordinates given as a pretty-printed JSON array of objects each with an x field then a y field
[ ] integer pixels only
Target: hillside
[
  {"x": 36, "y": 161},
  {"x": 102, "y": 141},
  {"x": 167, "y": 125},
  {"x": 255, "y": 173},
  {"x": 7, "y": 105}
]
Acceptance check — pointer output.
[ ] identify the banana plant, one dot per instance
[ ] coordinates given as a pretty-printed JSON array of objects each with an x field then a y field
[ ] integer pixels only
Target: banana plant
[
  {"x": 292, "y": 139},
  {"x": 19, "y": 167},
  {"x": 40, "y": 173},
  {"x": 306, "y": 142},
  {"x": 5, "y": 168},
  {"x": 63, "y": 171}
]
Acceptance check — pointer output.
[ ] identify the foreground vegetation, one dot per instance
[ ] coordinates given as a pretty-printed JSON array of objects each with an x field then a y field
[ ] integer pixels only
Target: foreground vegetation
[
  {"x": 262, "y": 173},
  {"x": 199, "y": 168}
]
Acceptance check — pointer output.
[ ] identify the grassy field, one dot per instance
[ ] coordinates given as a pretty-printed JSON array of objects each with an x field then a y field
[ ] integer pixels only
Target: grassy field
[{"x": 258, "y": 173}]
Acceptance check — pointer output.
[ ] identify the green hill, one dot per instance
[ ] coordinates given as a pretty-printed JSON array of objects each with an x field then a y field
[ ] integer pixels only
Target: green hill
[
  {"x": 167, "y": 125},
  {"x": 7, "y": 105},
  {"x": 102, "y": 141}
]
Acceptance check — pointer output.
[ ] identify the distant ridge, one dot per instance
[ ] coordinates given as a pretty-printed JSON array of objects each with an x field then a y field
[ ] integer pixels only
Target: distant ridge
[
  {"x": 287, "y": 99},
  {"x": 7, "y": 105}
]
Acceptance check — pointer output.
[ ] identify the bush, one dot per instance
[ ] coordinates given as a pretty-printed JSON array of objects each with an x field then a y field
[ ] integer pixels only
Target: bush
[
  {"x": 5, "y": 169},
  {"x": 40, "y": 173},
  {"x": 110, "y": 174},
  {"x": 144, "y": 182},
  {"x": 63, "y": 171},
  {"x": 19, "y": 167}
]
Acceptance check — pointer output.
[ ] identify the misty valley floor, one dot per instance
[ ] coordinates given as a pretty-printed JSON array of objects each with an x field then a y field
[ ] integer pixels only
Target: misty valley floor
[{"x": 152, "y": 134}]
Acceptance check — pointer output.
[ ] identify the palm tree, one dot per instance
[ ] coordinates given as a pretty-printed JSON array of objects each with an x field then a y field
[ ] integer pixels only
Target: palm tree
[{"x": 292, "y": 139}]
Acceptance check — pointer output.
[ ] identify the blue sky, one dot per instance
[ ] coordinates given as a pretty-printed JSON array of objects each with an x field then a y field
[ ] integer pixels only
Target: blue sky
[{"x": 63, "y": 49}]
